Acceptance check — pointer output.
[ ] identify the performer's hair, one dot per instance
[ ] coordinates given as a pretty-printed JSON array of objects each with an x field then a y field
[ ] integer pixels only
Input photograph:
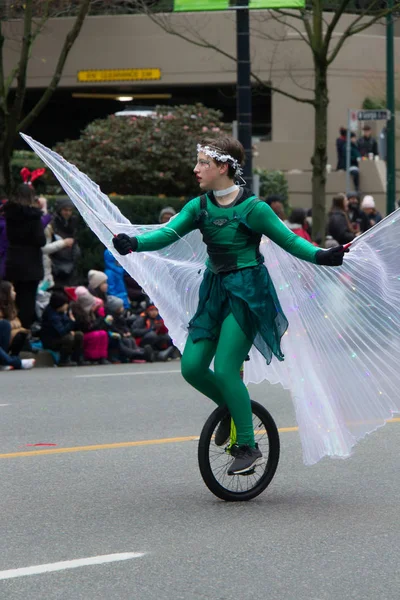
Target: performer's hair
[{"x": 226, "y": 145}]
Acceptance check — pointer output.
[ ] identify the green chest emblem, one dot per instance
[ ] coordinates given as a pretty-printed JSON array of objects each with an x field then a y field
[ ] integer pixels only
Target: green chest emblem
[{"x": 220, "y": 222}]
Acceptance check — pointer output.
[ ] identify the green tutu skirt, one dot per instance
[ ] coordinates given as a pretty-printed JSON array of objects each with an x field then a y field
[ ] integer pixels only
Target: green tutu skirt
[{"x": 250, "y": 296}]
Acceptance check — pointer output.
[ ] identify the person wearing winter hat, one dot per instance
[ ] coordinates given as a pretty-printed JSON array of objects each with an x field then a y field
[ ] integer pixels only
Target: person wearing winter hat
[
  {"x": 166, "y": 214},
  {"x": 98, "y": 284},
  {"x": 370, "y": 216},
  {"x": 87, "y": 301},
  {"x": 59, "y": 331},
  {"x": 89, "y": 314},
  {"x": 122, "y": 345}
]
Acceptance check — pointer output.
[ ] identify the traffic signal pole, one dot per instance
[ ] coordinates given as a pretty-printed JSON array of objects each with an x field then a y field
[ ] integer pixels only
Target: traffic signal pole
[
  {"x": 243, "y": 88},
  {"x": 391, "y": 123}
]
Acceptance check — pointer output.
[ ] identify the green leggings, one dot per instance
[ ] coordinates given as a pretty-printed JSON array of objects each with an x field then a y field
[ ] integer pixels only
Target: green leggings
[{"x": 224, "y": 384}]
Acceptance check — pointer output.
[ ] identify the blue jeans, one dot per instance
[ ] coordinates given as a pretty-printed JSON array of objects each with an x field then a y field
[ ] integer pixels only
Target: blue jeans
[{"x": 5, "y": 358}]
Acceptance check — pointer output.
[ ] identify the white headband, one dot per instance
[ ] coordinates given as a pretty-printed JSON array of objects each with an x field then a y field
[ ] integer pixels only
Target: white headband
[{"x": 217, "y": 155}]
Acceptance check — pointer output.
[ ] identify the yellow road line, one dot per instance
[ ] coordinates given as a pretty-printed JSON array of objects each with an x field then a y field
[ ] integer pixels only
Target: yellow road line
[{"x": 189, "y": 438}]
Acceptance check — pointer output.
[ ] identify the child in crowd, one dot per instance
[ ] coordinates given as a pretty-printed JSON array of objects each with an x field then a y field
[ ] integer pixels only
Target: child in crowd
[
  {"x": 116, "y": 282},
  {"x": 12, "y": 334},
  {"x": 89, "y": 314},
  {"x": 150, "y": 329},
  {"x": 59, "y": 333},
  {"x": 122, "y": 345},
  {"x": 98, "y": 285}
]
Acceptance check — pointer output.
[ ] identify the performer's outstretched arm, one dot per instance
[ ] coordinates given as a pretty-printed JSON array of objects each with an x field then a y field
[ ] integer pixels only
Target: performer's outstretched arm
[
  {"x": 177, "y": 227},
  {"x": 262, "y": 219}
]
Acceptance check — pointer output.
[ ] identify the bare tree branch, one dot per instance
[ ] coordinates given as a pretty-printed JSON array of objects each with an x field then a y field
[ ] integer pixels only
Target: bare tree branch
[
  {"x": 335, "y": 19},
  {"x": 291, "y": 26},
  {"x": 68, "y": 43},
  {"x": 353, "y": 29},
  {"x": 39, "y": 28},
  {"x": 23, "y": 63},
  {"x": 203, "y": 43}
]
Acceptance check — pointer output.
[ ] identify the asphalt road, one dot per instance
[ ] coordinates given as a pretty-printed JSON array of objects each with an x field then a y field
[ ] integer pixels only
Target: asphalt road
[{"x": 327, "y": 532}]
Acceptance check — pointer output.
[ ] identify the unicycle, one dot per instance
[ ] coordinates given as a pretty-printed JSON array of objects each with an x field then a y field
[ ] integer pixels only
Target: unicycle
[{"x": 214, "y": 460}]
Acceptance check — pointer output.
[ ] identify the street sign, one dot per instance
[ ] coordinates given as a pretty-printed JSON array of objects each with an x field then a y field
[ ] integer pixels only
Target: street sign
[
  {"x": 100, "y": 75},
  {"x": 373, "y": 115}
]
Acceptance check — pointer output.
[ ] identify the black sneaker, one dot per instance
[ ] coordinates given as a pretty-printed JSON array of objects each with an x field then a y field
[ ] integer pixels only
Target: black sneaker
[
  {"x": 223, "y": 431},
  {"x": 246, "y": 458}
]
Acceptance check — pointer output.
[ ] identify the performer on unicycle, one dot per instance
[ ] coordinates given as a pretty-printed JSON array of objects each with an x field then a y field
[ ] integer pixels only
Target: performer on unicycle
[{"x": 238, "y": 305}]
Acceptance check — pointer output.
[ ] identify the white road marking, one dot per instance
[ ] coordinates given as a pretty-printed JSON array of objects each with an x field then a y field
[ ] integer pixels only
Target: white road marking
[
  {"x": 4, "y": 405},
  {"x": 130, "y": 374},
  {"x": 69, "y": 564}
]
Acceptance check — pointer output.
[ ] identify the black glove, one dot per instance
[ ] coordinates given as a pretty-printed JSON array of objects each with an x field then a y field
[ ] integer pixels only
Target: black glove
[
  {"x": 124, "y": 244},
  {"x": 332, "y": 257}
]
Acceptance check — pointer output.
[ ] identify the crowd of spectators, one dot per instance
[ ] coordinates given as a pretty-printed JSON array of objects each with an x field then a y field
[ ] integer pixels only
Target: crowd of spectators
[
  {"x": 44, "y": 304},
  {"x": 108, "y": 318},
  {"x": 348, "y": 217}
]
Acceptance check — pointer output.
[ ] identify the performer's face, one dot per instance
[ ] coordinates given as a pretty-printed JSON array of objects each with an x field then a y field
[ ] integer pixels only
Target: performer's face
[{"x": 208, "y": 172}]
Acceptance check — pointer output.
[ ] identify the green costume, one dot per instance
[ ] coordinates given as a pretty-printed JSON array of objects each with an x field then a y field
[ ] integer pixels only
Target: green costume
[{"x": 238, "y": 304}]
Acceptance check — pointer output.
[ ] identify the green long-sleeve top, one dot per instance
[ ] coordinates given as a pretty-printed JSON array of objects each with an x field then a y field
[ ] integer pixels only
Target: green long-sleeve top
[{"x": 231, "y": 233}]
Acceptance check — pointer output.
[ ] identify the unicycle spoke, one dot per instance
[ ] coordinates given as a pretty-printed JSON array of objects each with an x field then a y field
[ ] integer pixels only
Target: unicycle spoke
[{"x": 214, "y": 461}]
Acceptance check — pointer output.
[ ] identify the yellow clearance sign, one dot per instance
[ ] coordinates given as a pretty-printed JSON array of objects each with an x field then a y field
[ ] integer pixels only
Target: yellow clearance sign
[{"x": 100, "y": 75}]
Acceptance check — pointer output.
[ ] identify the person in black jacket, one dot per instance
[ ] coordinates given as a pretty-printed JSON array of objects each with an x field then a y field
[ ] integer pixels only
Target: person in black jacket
[
  {"x": 367, "y": 144},
  {"x": 65, "y": 225},
  {"x": 24, "y": 262},
  {"x": 58, "y": 332},
  {"x": 339, "y": 226}
]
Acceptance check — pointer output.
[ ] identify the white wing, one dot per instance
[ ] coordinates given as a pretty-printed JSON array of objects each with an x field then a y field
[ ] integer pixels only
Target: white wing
[{"x": 343, "y": 344}]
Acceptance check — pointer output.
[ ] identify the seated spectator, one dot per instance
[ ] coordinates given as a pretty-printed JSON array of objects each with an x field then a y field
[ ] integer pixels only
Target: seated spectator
[
  {"x": 339, "y": 226},
  {"x": 8, "y": 311},
  {"x": 122, "y": 345},
  {"x": 12, "y": 334},
  {"x": 341, "y": 149},
  {"x": 298, "y": 224},
  {"x": 149, "y": 329},
  {"x": 276, "y": 203},
  {"x": 58, "y": 331},
  {"x": 370, "y": 216},
  {"x": 98, "y": 284},
  {"x": 367, "y": 144},
  {"x": 88, "y": 312},
  {"x": 64, "y": 261},
  {"x": 355, "y": 157},
  {"x": 166, "y": 214},
  {"x": 137, "y": 296},
  {"x": 115, "y": 274}
]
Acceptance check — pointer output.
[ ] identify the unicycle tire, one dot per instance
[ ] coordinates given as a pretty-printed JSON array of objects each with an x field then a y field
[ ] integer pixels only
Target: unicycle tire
[{"x": 214, "y": 460}]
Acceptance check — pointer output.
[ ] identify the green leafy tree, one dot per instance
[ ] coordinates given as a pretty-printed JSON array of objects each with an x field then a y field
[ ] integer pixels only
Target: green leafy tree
[{"x": 144, "y": 155}]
